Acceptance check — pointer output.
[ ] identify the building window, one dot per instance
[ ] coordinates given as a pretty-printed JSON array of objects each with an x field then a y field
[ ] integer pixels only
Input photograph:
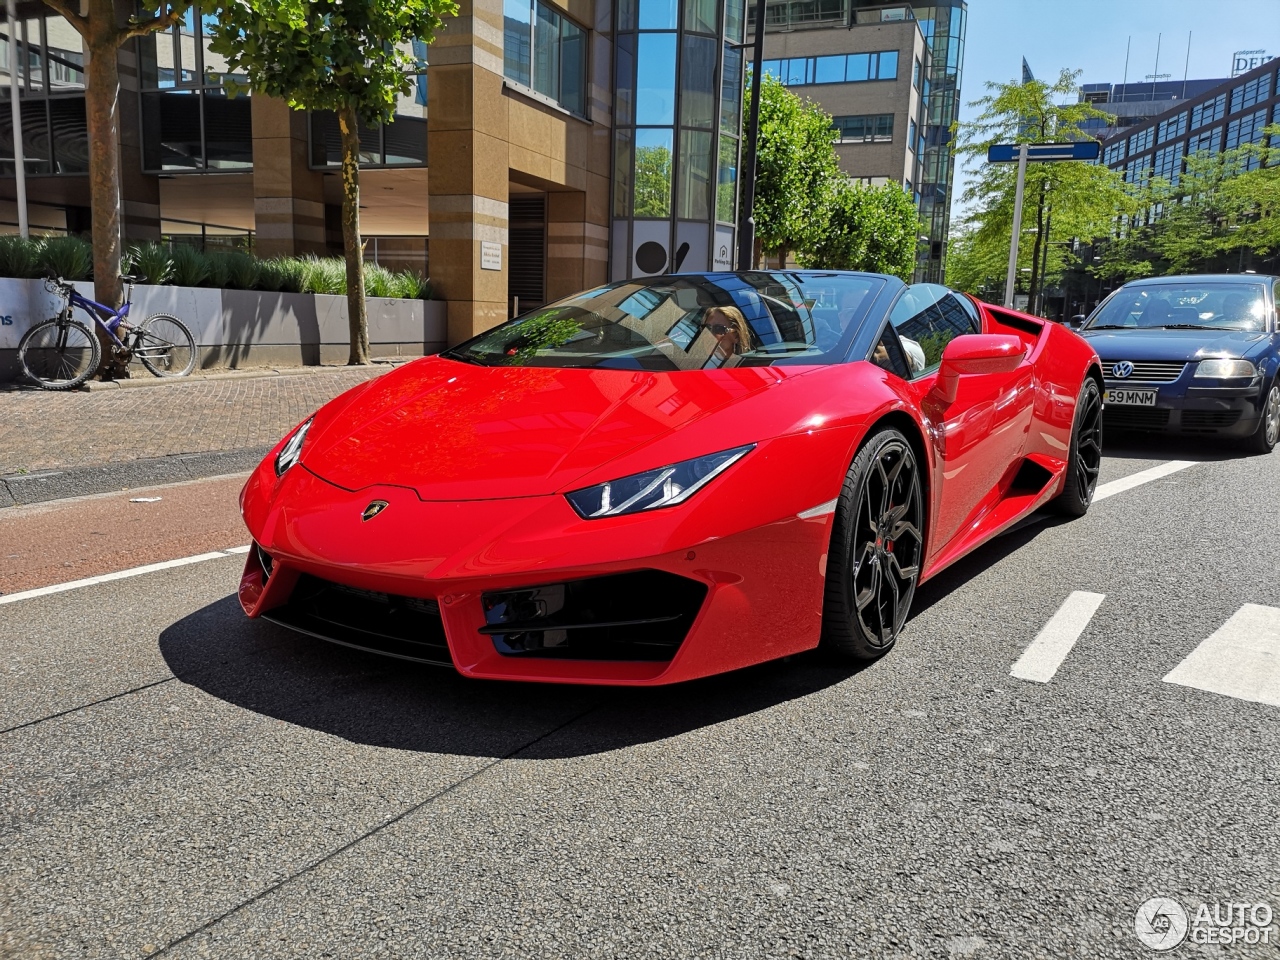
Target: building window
[
  {"x": 1168, "y": 163},
  {"x": 1171, "y": 128},
  {"x": 915, "y": 76},
  {"x": 51, "y": 94},
  {"x": 1209, "y": 111},
  {"x": 545, "y": 51},
  {"x": 851, "y": 68},
  {"x": 1208, "y": 142},
  {"x": 1114, "y": 153},
  {"x": 873, "y": 128},
  {"x": 788, "y": 12},
  {"x": 1247, "y": 129},
  {"x": 1250, "y": 94},
  {"x": 402, "y": 143},
  {"x": 1141, "y": 141}
]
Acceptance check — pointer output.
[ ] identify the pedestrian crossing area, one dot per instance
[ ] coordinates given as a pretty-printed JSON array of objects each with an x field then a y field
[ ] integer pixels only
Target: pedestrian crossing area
[{"x": 1240, "y": 659}]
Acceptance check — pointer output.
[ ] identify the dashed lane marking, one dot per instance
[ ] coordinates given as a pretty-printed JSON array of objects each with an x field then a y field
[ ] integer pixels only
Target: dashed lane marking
[
  {"x": 1139, "y": 478},
  {"x": 1240, "y": 659},
  {"x": 121, "y": 575},
  {"x": 1040, "y": 661}
]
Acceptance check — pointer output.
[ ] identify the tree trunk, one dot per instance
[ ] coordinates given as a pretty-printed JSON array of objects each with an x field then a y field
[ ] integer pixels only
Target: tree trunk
[
  {"x": 352, "y": 248},
  {"x": 102, "y": 116},
  {"x": 1034, "y": 288}
]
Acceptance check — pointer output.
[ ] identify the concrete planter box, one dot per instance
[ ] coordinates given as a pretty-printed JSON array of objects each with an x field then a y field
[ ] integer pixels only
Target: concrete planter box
[{"x": 236, "y": 328}]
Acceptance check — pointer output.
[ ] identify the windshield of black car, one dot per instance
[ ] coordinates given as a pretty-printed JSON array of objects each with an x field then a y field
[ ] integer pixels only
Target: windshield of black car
[
  {"x": 1183, "y": 305},
  {"x": 687, "y": 322}
]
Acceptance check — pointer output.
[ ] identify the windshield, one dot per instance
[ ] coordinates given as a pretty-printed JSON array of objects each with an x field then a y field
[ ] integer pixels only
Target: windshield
[
  {"x": 1220, "y": 305},
  {"x": 686, "y": 322}
]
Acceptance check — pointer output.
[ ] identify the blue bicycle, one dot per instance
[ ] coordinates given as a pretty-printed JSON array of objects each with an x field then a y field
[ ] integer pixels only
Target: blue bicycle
[{"x": 61, "y": 353}]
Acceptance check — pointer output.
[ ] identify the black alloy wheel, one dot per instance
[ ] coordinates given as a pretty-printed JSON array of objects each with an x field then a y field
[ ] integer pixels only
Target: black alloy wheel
[
  {"x": 1085, "y": 457},
  {"x": 1268, "y": 432},
  {"x": 877, "y": 548}
]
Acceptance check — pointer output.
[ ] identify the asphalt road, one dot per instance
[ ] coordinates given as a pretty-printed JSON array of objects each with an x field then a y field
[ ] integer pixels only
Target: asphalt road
[{"x": 176, "y": 780}]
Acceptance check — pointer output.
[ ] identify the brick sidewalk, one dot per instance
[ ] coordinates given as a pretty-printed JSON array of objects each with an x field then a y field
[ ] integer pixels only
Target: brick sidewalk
[{"x": 54, "y": 431}]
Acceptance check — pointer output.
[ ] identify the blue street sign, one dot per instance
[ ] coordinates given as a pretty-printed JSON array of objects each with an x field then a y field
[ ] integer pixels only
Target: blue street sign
[{"x": 1037, "y": 152}]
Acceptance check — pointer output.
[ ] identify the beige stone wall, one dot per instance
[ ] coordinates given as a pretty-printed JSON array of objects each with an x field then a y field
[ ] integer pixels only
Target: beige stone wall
[
  {"x": 483, "y": 133},
  {"x": 893, "y": 161},
  {"x": 288, "y": 198}
]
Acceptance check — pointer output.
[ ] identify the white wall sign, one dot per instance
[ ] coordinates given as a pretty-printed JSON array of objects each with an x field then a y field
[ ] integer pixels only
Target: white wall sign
[
  {"x": 490, "y": 255},
  {"x": 1242, "y": 61}
]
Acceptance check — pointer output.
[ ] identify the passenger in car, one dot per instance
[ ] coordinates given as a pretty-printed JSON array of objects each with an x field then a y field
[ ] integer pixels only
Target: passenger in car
[{"x": 731, "y": 330}]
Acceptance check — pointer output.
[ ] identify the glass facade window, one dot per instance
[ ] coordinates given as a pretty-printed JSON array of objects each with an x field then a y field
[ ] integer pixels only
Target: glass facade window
[
  {"x": 1141, "y": 140},
  {"x": 1168, "y": 163},
  {"x": 1250, "y": 94},
  {"x": 1209, "y": 111},
  {"x": 1114, "y": 153},
  {"x": 783, "y": 13},
  {"x": 397, "y": 144},
  {"x": 50, "y": 67},
  {"x": 653, "y": 173},
  {"x": 1247, "y": 129},
  {"x": 850, "y": 68},
  {"x": 1173, "y": 127},
  {"x": 872, "y": 128},
  {"x": 544, "y": 50},
  {"x": 1210, "y": 141}
]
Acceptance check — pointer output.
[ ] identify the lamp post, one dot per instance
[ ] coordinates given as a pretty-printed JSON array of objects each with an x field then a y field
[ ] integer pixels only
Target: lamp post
[
  {"x": 19, "y": 162},
  {"x": 747, "y": 175}
]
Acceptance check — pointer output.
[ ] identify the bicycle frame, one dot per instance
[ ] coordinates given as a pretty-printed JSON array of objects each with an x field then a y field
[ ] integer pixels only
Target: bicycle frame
[{"x": 102, "y": 315}]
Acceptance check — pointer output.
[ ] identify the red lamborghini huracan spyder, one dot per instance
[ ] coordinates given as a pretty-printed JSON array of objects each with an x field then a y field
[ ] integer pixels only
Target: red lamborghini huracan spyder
[{"x": 666, "y": 478}]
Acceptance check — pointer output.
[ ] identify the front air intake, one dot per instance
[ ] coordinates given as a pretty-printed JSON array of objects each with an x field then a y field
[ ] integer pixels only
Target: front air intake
[{"x": 626, "y": 616}]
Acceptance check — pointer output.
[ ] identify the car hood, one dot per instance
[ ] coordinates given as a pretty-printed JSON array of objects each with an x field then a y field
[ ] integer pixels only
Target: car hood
[
  {"x": 456, "y": 431},
  {"x": 1171, "y": 345}
]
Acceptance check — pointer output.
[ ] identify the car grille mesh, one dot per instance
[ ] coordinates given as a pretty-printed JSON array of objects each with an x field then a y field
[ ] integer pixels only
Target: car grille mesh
[
  {"x": 1208, "y": 419},
  {"x": 405, "y": 627},
  {"x": 1135, "y": 418},
  {"x": 1148, "y": 371}
]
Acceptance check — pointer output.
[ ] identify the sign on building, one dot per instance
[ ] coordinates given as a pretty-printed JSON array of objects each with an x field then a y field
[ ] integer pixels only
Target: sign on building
[{"x": 1242, "y": 61}]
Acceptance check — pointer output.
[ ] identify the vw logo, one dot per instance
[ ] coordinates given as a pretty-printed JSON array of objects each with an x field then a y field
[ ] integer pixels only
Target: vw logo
[
  {"x": 1122, "y": 369},
  {"x": 373, "y": 509}
]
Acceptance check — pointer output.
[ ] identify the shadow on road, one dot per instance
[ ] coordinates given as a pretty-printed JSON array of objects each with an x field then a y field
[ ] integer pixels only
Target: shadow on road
[
  {"x": 1139, "y": 446},
  {"x": 373, "y": 700}
]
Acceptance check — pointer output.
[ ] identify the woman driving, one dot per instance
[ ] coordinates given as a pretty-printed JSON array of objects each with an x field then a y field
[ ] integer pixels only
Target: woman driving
[{"x": 732, "y": 333}]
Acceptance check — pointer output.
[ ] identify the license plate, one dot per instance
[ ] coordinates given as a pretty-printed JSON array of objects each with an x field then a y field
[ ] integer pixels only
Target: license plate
[{"x": 1132, "y": 398}]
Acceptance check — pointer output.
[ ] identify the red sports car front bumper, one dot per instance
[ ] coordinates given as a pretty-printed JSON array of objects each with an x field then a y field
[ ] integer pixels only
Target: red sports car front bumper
[{"x": 763, "y": 585}]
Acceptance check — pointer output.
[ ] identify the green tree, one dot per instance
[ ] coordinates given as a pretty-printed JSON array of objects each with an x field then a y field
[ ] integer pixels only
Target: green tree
[
  {"x": 1062, "y": 201},
  {"x": 867, "y": 228},
  {"x": 104, "y": 31},
  {"x": 653, "y": 182},
  {"x": 353, "y": 57},
  {"x": 796, "y": 172}
]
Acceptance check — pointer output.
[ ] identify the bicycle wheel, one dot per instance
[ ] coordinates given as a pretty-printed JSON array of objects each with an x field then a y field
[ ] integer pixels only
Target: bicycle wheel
[
  {"x": 165, "y": 346},
  {"x": 59, "y": 354}
]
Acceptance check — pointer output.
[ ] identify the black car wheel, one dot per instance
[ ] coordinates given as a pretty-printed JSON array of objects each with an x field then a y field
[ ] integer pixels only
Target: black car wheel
[
  {"x": 1264, "y": 438},
  {"x": 877, "y": 548},
  {"x": 1085, "y": 456}
]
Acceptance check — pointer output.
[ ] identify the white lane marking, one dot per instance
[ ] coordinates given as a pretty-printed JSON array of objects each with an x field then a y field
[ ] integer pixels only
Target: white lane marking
[
  {"x": 1040, "y": 661},
  {"x": 821, "y": 510},
  {"x": 1139, "y": 478},
  {"x": 1240, "y": 659},
  {"x": 119, "y": 575}
]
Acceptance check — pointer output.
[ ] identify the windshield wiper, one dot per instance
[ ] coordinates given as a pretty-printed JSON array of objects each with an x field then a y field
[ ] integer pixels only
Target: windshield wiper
[
  {"x": 1189, "y": 326},
  {"x": 1109, "y": 326}
]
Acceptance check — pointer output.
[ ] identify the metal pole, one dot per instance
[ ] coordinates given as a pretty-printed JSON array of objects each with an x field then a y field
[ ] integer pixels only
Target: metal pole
[
  {"x": 747, "y": 173},
  {"x": 1012, "y": 275},
  {"x": 19, "y": 162}
]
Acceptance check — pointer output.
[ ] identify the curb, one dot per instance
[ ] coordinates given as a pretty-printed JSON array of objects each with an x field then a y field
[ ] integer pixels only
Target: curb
[
  {"x": 376, "y": 367},
  {"x": 46, "y": 485}
]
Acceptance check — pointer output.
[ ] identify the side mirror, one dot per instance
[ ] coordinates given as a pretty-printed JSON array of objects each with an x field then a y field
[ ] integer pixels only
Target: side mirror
[
  {"x": 1076, "y": 322},
  {"x": 977, "y": 353}
]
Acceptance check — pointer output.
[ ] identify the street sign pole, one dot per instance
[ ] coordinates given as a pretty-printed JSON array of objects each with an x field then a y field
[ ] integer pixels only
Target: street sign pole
[{"x": 1012, "y": 274}]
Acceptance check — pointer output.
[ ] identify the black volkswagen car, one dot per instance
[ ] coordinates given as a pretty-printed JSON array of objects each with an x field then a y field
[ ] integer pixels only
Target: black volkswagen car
[{"x": 1194, "y": 355}]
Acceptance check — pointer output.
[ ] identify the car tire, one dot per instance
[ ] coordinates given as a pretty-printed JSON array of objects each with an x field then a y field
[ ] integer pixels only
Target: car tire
[
  {"x": 1264, "y": 438},
  {"x": 877, "y": 550},
  {"x": 1085, "y": 455}
]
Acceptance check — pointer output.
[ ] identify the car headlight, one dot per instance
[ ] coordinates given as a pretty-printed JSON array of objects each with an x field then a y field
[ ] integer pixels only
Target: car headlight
[
  {"x": 1222, "y": 369},
  {"x": 292, "y": 448},
  {"x": 663, "y": 487}
]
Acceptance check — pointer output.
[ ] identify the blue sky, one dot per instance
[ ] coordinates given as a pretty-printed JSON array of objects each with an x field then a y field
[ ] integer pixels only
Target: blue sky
[{"x": 1090, "y": 35}]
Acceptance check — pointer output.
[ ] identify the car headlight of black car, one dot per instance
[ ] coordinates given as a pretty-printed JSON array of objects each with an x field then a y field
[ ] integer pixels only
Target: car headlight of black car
[
  {"x": 1221, "y": 368},
  {"x": 663, "y": 487},
  {"x": 292, "y": 449}
]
